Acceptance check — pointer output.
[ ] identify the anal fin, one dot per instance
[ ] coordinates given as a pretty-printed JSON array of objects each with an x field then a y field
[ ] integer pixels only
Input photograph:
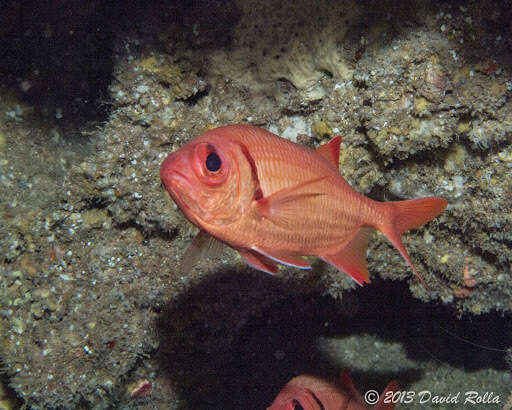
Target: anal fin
[
  {"x": 352, "y": 258},
  {"x": 284, "y": 258},
  {"x": 258, "y": 261}
]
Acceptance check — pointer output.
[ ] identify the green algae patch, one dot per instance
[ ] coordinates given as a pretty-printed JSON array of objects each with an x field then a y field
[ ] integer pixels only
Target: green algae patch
[{"x": 321, "y": 129}]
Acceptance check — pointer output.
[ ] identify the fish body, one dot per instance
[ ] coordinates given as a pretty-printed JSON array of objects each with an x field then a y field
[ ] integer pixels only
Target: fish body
[
  {"x": 308, "y": 392},
  {"x": 275, "y": 201}
]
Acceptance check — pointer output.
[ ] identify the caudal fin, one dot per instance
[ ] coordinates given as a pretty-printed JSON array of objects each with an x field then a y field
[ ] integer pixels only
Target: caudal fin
[{"x": 404, "y": 215}]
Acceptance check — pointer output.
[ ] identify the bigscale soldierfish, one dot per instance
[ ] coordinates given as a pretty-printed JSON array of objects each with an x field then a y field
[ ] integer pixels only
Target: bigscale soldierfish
[
  {"x": 275, "y": 201},
  {"x": 307, "y": 392}
]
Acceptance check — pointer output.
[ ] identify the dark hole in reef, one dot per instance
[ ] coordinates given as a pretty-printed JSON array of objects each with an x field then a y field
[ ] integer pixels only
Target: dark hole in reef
[
  {"x": 327, "y": 74},
  {"x": 361, "y": 84},
  {"x": 194, "y": 99},
  {"x": 96, "y": 202},
  {"x": 9, "y": 394},
  {"x": 362, "y": 130},
  {"x": 164, "y": 84},
  {"x": 297, "y": 406}
]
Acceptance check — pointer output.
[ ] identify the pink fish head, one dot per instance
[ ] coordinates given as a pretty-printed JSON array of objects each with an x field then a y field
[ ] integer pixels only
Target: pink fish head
[
  {"x": 209, "y": 179},
  {"x": 307, "y": 392}
]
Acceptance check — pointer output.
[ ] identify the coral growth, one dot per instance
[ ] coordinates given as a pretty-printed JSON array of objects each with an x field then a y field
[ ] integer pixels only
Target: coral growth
[{"x": 276, "y": 40}]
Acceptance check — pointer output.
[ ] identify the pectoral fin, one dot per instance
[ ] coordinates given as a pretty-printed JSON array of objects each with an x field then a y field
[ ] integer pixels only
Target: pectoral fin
[
  {"x": 284, "y": 206},
  {"x": 202, "y": 246}
]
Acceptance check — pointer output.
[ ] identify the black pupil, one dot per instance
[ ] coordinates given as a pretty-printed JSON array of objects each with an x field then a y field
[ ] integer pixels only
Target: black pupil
[
  {"x": 213, "y": 162},
  {"x": 297, "y": 405}
]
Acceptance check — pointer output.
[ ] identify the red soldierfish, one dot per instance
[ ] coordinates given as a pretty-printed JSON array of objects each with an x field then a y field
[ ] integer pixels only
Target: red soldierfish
[
  {"x": 275, "y": 201},
  {"x": 311, "y": 393}
]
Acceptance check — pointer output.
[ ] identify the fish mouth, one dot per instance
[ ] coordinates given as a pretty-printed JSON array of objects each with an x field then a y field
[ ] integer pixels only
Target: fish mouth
[
  {"x": 179, "y": 186},
  {"x": 176, "y": 182},
  {"x": 170, "y": 171}
]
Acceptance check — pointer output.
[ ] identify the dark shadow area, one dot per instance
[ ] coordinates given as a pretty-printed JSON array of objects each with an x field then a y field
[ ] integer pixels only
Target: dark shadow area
[
  {"x": 486, "y": 36},
  {"x": 59, "y": 56},
  {"x": 224, "y": 345},
  {"x": 8, "y": 394}
]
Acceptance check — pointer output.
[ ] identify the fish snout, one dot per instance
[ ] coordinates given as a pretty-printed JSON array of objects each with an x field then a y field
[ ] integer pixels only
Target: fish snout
[
  {"x": 165, "y": 168},
  {"x": 173, "y": 168}
]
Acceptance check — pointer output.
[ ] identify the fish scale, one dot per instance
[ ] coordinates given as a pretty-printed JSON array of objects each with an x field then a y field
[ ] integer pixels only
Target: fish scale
[{"x": 275, "y": 201}]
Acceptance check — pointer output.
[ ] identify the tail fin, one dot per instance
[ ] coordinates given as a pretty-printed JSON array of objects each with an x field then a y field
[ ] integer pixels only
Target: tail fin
[{"x": 404, "y": 215}]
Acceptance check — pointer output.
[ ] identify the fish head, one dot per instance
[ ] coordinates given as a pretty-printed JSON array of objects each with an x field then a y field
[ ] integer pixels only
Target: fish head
[
  {"x": 309, "y": 393},
  {"x": 210, "y": 180},
  {"x": 295, "y": 398}
]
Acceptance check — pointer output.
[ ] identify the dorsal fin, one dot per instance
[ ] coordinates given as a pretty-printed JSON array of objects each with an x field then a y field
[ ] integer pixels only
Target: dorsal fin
[
  {"x": 348, "y": 386},
  {"x": 383, "y": 403},
  {"x": 331, "y": 151}
]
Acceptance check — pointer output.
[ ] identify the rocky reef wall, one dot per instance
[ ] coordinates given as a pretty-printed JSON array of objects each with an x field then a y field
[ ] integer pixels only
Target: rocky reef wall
[{"x": 94, "y": 96}]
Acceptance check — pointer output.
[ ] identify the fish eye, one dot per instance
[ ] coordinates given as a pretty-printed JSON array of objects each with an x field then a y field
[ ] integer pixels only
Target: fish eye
[
  {"x": 297, "y": 405},
  {"x": 213, "y": 162}
]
